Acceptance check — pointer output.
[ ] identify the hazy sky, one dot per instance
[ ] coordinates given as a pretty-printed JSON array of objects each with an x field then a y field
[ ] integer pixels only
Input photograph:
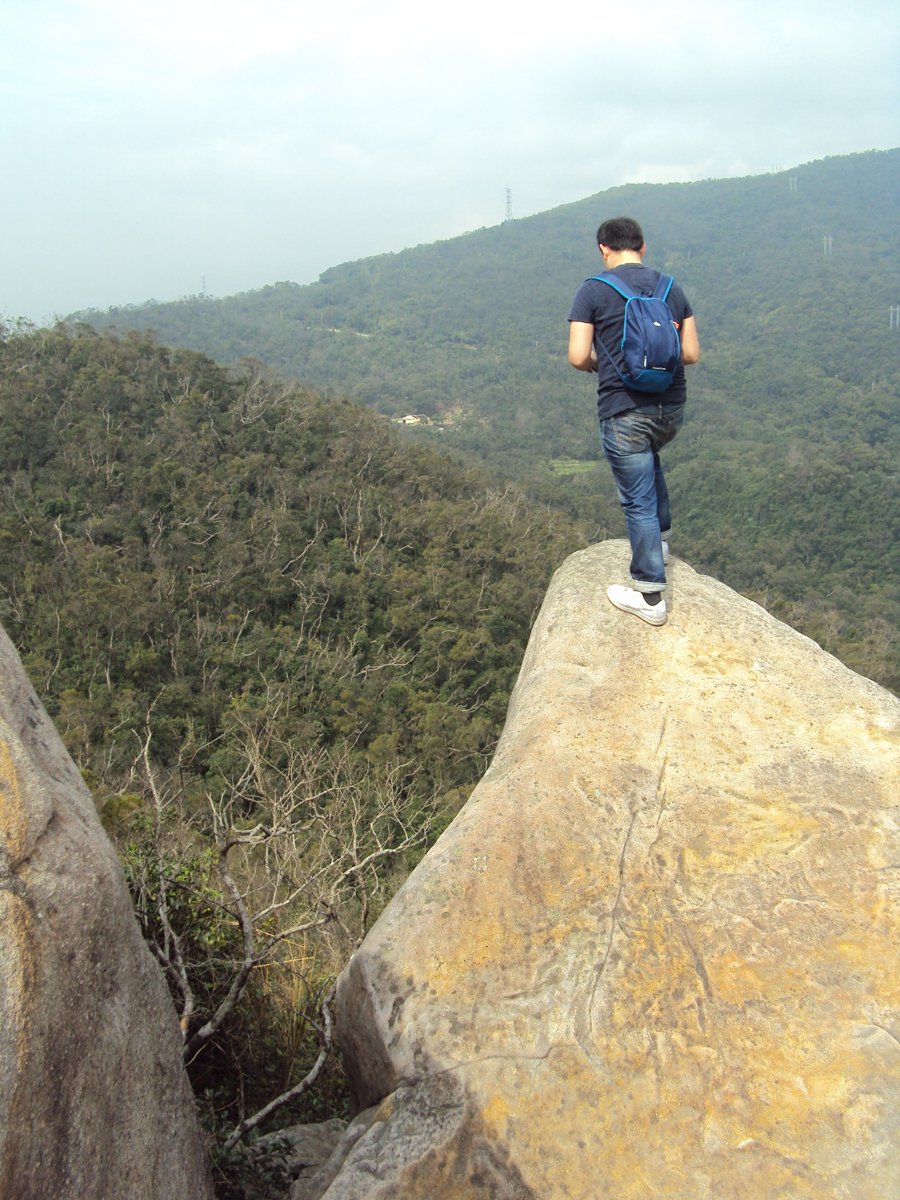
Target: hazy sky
[{"x": 150, "y": 149}]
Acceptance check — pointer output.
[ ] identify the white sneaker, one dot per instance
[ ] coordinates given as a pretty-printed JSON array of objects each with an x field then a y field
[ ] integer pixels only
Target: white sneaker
[{"x": 631, "y": 601}]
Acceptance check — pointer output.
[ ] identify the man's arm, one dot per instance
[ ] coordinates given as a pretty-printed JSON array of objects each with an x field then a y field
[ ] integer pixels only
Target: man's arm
[
  {"x": 690, "y": 343},
  {"x": 582, "y": 355}
]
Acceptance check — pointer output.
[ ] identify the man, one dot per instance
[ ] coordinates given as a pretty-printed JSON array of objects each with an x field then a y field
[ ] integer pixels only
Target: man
[{"x": 634, "y": 426}]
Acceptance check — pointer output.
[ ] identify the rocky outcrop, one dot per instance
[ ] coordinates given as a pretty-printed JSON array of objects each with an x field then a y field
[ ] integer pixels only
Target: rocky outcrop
[
  {"x": 94, "y": 1101},
  {"x": 656, "y": 953}
]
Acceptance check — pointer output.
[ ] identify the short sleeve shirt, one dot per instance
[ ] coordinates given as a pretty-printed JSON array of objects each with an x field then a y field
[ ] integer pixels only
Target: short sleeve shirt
[{"x": 600, "y": 305}]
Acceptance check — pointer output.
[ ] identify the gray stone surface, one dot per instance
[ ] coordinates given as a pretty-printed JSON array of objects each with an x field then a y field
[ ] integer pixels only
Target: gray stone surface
[
  {"x": 94, "y": 1100},
  {"x": 303, "y": 1149},
  {"x": 656, "y": 953}
]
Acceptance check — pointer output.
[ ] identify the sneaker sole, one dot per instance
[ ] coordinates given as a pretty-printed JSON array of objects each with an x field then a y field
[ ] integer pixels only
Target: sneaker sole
[{"x": 650, "y": 619}]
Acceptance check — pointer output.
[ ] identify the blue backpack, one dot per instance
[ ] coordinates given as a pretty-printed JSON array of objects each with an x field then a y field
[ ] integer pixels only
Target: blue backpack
[{"x": 650, "y": 343}]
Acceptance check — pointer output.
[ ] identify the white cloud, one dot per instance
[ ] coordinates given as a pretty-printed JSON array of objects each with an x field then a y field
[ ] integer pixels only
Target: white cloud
[{"x": 152, "y": 144}]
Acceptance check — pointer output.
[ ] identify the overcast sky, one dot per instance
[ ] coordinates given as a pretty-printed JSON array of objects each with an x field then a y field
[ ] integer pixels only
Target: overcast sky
[{"x": 151, "y": 150}]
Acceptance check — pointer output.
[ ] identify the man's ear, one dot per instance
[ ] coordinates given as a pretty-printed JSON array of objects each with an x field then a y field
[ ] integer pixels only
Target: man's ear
[{"x": 643, "y": 250}]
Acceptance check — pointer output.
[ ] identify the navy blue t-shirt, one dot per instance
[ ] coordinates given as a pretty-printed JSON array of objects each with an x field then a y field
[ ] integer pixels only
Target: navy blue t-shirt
[{"x": 600, "y": 305}]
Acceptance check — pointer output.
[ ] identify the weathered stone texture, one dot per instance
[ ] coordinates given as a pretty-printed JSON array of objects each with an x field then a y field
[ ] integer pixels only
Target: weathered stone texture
[
  {"x": 94, "y": 1101},
  {"x": 656, "y": 953}
]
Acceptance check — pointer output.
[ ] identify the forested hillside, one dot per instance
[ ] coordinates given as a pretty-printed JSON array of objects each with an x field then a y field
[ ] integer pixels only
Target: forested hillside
[
  {"x": 279, "y": 642},
  {"x": 784, "y": 480},
  {"x": 179, "y": 542}
]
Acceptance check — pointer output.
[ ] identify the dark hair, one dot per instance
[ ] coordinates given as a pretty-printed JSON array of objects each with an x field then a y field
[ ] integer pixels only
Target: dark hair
[{"x": 620, "y": 233}]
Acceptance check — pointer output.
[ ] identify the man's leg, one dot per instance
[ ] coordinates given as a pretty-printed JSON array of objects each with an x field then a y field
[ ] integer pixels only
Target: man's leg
[
  {"x": 669, "y": 421},
  {"x": 627, "y": 445},
  {"x": 663, "y": 512},
  {"x": 631, "y": 443}
]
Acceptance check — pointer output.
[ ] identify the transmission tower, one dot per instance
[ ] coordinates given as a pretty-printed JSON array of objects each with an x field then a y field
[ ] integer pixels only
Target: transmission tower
[{"x": 508, "y": 204}]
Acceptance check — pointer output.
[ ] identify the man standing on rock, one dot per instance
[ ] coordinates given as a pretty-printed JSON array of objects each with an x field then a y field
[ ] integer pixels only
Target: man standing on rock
[{"x": 634, "y": 425}]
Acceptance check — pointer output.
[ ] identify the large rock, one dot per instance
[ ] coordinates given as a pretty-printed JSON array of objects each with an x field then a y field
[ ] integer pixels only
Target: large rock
[
  {"x": 94, "y": 1101},
  {"x": 656, "y": 953}
]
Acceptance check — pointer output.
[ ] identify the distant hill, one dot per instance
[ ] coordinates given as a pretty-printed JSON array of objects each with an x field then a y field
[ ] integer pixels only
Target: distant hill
[
  {"x": 784, "y": 480},
  {"x": 475, "y": 326}
]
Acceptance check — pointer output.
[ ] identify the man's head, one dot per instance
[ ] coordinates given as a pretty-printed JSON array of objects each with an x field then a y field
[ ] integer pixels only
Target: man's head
[{"x": 621, "y": 233}]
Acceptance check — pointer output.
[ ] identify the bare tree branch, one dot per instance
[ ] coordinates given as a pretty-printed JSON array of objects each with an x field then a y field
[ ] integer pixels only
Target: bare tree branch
[
  {"x": 325, "y": 1040},
  {"x": 170, "y": 953},
  {"x": 300, "y": 838}
]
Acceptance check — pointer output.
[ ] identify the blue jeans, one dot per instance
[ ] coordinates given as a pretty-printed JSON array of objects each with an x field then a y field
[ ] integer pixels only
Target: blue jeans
[{"x": 631, "y": 442}]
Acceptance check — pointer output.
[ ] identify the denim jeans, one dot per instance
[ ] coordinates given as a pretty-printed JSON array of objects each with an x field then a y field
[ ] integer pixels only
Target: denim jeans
[{"x": 631, "y": 442}]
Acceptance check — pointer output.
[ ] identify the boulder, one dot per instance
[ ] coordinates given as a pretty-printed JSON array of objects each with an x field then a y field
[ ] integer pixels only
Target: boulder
[
  {"x": 94, "y": 1100},
  {"x": 302, "y": 1149},
  {"x": 655, "y": 955}
]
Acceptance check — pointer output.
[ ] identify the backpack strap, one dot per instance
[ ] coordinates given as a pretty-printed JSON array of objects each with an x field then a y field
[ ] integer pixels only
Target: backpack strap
[
  {"x": 664, "y": 287},
  {"x": 617, "y": 285},
  {"x": 612, "y": 361},
  {"x": 661, "y": 292}
]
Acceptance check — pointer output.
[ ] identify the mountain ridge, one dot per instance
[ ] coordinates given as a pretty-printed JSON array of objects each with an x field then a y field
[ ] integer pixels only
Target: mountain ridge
[{"x": 783, "y": 481}]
